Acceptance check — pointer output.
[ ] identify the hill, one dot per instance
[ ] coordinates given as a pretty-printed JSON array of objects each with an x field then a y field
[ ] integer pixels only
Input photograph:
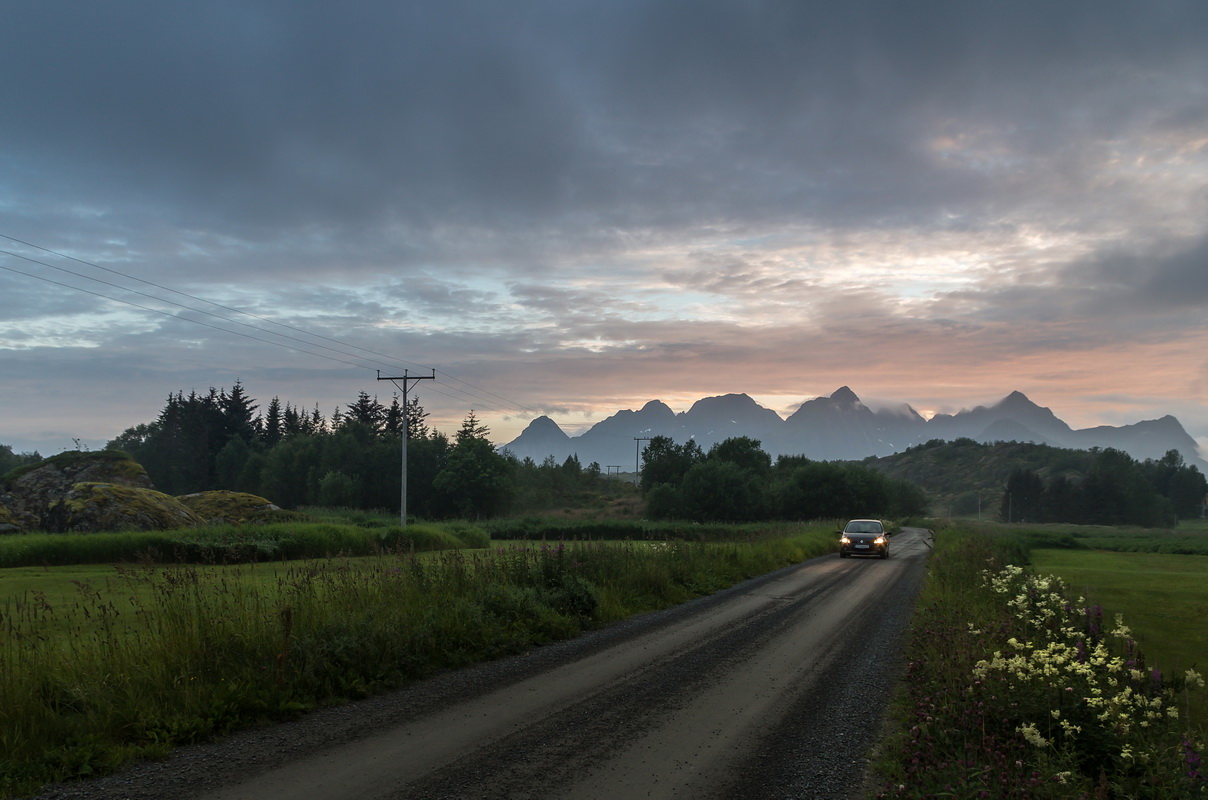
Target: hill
[{"x": 966, "y": 478}]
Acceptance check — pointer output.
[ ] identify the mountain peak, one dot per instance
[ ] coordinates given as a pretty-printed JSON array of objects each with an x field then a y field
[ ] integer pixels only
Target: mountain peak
[
  {"x": 1016, "y": 398},
  {"x": 731, "y": 400},
  {"x": 845, "y": 395}
]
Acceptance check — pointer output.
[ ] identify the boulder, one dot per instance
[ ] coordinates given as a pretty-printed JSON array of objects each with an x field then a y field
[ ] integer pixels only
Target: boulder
[
  {"x": 234, "y": 508},
  {"x": 87, "y": 492},
  {"x": 92, "y": 507},
  {"x": 32, "y": 491}
]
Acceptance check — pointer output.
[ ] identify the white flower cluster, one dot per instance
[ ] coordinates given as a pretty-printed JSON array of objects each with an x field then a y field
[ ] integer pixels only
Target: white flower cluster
[{"x": 1071, "y": 670}]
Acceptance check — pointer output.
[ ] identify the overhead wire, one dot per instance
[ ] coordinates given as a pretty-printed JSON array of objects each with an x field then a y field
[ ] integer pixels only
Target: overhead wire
[
  {"x": 510, "y": 405},
  {"x": 171, "y": 315}
]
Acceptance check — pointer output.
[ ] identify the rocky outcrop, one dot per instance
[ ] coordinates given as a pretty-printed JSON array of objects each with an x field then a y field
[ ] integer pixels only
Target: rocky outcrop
[
  {"x": 91, "y": 507},
  {"x": 30, "y": 493},
  {"x": 233, "y": 508},
  {"x": 87, "y": 492}
]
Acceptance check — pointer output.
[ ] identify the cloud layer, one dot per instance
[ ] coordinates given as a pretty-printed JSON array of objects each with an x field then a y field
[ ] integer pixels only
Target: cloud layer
[{"x": 577, "y": 207}]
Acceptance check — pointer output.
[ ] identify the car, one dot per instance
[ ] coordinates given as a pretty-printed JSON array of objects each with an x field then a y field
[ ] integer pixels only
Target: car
[{"x": 864, "y": 537}]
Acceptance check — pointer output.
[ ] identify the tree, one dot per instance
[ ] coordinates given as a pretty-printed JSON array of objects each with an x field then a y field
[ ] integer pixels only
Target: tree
[
  {"x": 744, "y": 452},
  {"x": 393, "y": 422},
  {"x": 476, "y": 481},
  {"x": 291, "y": 473},
  {"x": 416, "y": 427},
  {"x": 722, "y": 491},
  {"x": 274, "y": 424},
  {"x": 664, "y": 461},
  {"x": 292, "y": 421},
  {"x": 338, "y": 489},
  {"x": 238, "y": 414},
  {"x": 229, "y": 464},
  {"x": 426, "y": 458},
  {"x": 1024, "y": 498},
  {"x": 471, "y": 428},
  {"x": 1182, "y": 484},
  {"x": 367, "y": 412}
]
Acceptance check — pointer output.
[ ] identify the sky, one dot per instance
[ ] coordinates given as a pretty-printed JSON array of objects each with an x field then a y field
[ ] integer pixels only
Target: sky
[{"x": 569, "y": 208}]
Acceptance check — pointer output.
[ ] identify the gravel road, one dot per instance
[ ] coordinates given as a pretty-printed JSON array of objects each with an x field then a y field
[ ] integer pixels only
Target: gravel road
[{"x": 775, "y": 688}]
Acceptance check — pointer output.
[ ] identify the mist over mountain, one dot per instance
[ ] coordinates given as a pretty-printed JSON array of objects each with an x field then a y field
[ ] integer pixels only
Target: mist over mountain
[{"x": 839, "y": 428}]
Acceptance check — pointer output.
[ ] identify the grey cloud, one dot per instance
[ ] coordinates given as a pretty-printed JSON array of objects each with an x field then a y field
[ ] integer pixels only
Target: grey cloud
[
  {"x": 1180, "y": 279},
  {"x": 1164, "y": 276},
  {"x": 263, "y": 114}
]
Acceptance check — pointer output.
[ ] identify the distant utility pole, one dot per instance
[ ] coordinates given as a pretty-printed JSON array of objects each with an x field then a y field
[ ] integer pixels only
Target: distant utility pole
[
  {"x": 406, "y": 378},
  {"x": 637, "y": 456}
]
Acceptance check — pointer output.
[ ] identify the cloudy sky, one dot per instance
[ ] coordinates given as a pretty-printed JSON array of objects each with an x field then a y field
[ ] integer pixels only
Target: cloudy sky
[{"x": 570, "y": 208}]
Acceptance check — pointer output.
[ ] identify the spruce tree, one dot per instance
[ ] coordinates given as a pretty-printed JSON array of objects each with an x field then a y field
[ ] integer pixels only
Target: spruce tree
[{"x": 274, "y": 425}]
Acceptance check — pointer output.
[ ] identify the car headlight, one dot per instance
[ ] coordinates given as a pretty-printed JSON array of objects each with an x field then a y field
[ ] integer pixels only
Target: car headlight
[
  {"x": 844, "y": 540},
  {"x": 880, "y": 540}
]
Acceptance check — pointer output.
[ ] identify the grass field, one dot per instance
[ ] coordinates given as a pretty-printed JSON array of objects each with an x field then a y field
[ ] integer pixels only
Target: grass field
[
  {"x": 1164, "y": 598},
  {"x": 103, "y": 664}
]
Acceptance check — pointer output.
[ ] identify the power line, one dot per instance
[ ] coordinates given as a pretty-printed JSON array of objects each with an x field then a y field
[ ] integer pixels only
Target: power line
[
  {"x": 171, "y": 303},
  {"x": 465, "y": 394},
  {"x": 183, "y": 294},
  {"x": 173, "y": 316}
]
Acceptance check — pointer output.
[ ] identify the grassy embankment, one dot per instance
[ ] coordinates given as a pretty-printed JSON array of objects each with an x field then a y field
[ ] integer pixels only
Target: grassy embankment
[
  {"x": 1014, "y": 688},
  {"x": 102, "y": 665}
]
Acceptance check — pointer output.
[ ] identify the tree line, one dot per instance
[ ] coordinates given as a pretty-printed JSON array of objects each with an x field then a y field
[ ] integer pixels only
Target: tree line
[
  {"x": 1116, "y": 489},
  {"x": 736, "y": 481},
  {"x": 297, "y": 457}
]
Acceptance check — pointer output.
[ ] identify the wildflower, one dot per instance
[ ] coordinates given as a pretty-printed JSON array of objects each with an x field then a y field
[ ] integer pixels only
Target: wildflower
[
  {"x": 1195, "y": 679},
  {"x": 1031, "y": 735},
  {"x": 1192, "y": 759},
  {"x": 1121, "y": 631},
  {"x": 1126, "y": 752}
]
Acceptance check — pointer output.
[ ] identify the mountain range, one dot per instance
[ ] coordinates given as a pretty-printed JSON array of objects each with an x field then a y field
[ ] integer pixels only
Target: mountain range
[{"x": 838, "y": 428}]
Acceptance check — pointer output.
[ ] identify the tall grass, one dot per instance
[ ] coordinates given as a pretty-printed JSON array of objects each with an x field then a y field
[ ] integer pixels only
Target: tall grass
[
  {"x": 218, "y": 544},
  {"x": 1015, "y": 688},
  {"x": 638, "y": 530},
  {"x": 162, "y": 655}
]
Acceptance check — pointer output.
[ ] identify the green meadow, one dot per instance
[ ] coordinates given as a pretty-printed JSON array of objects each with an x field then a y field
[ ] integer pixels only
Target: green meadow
[
  {"x": 1163, "y": 598},
  {"x": 104, "y": 663}
]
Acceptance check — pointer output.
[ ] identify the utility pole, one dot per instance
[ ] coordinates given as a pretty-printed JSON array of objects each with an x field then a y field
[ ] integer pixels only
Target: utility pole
[
  {"x": 637, "y": 457},
  {"x": 406, "y": 378}
]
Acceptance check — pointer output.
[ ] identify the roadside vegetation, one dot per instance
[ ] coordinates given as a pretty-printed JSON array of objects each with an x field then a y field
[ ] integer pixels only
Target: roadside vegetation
[
  {"x": 234, "y": 544},
  {"x": 1018, "y": 686},
  {"x": 127, "y": 663}
]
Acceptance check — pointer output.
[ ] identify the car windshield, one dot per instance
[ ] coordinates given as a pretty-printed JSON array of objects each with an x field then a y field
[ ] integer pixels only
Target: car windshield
[{"x": 863, "y": 527}]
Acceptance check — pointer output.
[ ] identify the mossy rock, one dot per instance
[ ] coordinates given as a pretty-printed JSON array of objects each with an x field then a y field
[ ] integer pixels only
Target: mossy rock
[
  {"x": 33, "y": 493},
  {"x": 92, "y": 507},
  {"x": 234, "y": 508},
  {"x": 9, "y": 522}
]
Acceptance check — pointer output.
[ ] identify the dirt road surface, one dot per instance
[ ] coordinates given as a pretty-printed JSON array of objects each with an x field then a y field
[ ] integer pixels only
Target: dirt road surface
[{"x": 775, "y": 688}]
